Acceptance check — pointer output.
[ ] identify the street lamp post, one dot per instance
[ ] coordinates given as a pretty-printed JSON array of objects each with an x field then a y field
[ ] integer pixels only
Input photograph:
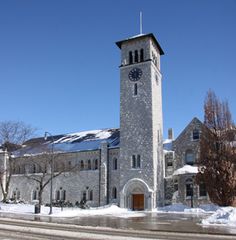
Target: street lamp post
[{"x": 51, "y": 166}]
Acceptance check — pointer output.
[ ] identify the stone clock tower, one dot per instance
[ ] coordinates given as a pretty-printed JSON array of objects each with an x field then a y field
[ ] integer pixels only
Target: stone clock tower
[{"x": 141, "y": 153}]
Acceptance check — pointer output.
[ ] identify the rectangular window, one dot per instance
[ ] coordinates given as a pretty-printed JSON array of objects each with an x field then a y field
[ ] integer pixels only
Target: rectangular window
[
  {"x": 202, "y": 190},
  {"x": 176, "y": 187},
  {"x": 133, "y": 161},
  {"x": 91, "y": 195},
  {"x": 130, "y": 57},
  {"x": 138, "y": 164},
  {"x": 135, "y": 89},
  {"x": 169, "y": 163},
  {"x": 136, "y": 161},
  {"x": 189, "y": 190},
  {"x": 196, "y": 134}
]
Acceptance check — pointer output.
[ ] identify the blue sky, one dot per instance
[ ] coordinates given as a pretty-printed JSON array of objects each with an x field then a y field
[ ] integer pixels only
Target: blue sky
[{"x": 59, "y": 62}]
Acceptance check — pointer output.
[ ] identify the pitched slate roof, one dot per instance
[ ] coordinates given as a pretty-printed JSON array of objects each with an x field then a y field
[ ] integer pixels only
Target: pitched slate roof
[{"x": 73, "y": 142}]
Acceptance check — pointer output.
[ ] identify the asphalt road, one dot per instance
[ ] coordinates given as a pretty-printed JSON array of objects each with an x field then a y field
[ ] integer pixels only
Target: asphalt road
[
  {"x": 146, "y": 221},
  {"x": 34, "y": 230}
]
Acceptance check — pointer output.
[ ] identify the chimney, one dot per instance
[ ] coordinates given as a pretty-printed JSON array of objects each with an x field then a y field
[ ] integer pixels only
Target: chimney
[{"x": 170, "y": 133}]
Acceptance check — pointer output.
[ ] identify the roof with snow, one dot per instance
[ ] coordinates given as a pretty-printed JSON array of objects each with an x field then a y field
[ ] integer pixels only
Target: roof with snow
[
  {"x": 186, "y": 169},
  {"x": 168, "y": 145},
  {"x": 73, "y": 142}
]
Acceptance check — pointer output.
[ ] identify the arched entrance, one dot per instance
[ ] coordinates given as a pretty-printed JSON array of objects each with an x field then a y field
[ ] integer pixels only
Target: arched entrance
[{"x": 136, "y": 195}]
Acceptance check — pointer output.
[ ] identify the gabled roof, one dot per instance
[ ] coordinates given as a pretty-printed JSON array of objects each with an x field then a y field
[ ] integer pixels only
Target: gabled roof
[
  {"x": 140, "y": 36},
  {"x": 194, "y": 121},
  {"x": 73, "y": 142}
]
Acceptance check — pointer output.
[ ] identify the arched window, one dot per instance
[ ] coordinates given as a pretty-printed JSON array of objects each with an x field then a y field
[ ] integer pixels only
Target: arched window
[
  {"x": 22, "y": 169},
  {"x": 55, "y": 166},
  {"x": 35, "y": 195},
  {"x": 58, "y": 195},
  {"x": 91, "y": 195},
  {"x": 141, "y": 55},
  {"x": 189, "y": 187},
  {"x": 114, "y": 163},
  {"x": 189, "y": 157},
  {"x": 95, "y": 164},
  {"x": 81, "y": 165},
  {"x": 34, "y": 168},
  {"x": 62, "y": 166},
  {"x": 63, "y": 195},
  {"x": 136, "y": 56},
  {"x": 89, "y": 165},
  {"x": 16, "y": 194},
  {"x": 130, "y": 57},
  {"x": 114, "y": 193},
  {"x": 83, "y": 196},
  {"x": 16, "y": 169},
  {"x": 69, "y": 166}
]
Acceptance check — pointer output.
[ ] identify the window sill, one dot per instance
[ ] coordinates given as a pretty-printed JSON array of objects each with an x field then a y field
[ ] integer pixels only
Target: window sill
[
  {"x": 189, "y": 197},
  {"x": 202, "y": 197}
]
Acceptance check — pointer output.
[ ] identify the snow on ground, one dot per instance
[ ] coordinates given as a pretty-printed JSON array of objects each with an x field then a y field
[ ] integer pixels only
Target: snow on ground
[
  {"x": 224, "y": 215},
  {"x": 180, "y": 208},
  {"x": 111, "y": 210},
  {"x": 220, "y": 215}
]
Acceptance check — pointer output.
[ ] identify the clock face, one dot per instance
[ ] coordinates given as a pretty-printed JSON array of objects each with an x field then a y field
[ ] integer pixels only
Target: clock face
[{"x": 135, "y": 74}]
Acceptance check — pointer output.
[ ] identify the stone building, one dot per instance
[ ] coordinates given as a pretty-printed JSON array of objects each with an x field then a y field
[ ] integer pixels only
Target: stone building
[
  {"x": 125, "y": 166},
  {"x": 181, "y": 155}
]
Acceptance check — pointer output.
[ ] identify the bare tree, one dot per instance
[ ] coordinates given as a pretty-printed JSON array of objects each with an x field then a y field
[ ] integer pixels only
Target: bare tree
[
  {"x": 12, "y": 135},
  {"x": 217, "y": 162},
  {"x": 15, "y": 132},
  {"x": 38, "y": 169}
]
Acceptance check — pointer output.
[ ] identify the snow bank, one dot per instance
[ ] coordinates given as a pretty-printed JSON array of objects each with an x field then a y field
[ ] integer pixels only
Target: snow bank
[
  {"x": 111, "y": 210},
  {"x": 186, "y": 169},
  {"x": 181, "y": 208},
  {"x": 24, "y": 208},
  {"x": 178, "y": 207},
  {"x": 224, "y": 215}
]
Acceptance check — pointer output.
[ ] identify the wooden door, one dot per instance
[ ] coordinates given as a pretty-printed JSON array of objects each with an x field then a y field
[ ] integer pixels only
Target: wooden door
[{"x": 138, "y": 202}]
